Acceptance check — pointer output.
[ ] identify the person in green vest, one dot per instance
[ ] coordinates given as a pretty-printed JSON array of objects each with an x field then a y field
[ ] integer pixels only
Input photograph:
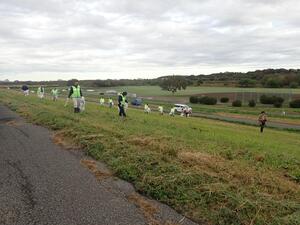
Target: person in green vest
[
  {"x": 54, "y": 93},
  {"x": 41, "y": 92},
  {"x": 102, "y": 101},
  {"x": 122, "y": 101},
  {"x": 76, "y": 94},
  {"x": 110, "y": 103}
]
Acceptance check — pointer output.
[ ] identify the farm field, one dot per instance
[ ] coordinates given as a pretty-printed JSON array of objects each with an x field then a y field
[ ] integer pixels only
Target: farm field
[
  {"x": 156, "y": 90},
  {"x": 148, "y": 91},
  {"x": 154, "y": 96},
  {"x": 211, "y": 171}
]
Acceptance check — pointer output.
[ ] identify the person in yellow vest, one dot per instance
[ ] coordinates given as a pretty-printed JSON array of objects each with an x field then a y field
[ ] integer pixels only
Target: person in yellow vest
[
  {"x": 147, "y": 109},
  {"x": 122, "y": 101},
  {"x": 172, "y": 111},
  {"x": 76, "y": 94},
  {"x": 41, "y": 92},
  {"x": 102, "y": 101},
  {"x": 110, "y": 103},
  {"x": 161, "y": 110},
  {"x": 54, "y": 93}
]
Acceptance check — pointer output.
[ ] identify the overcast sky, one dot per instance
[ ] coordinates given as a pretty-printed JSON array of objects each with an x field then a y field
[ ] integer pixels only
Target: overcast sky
[{"x": 99, "y": 39}]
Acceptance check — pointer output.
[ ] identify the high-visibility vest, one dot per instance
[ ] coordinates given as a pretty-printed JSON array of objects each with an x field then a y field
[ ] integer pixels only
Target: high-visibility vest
[
  {"x": 123, "y": 102},
  {"x": 110, "y": 100},
  {"x": 54, "y": 92},
  {"x": 76, "y": 92},
  {"x": 40, "y": 90}
]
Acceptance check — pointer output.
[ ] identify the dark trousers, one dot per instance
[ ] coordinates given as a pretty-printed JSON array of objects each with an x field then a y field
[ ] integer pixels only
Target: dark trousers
[
  {"x": 262, "y": 126},
  {"x": 122, "y": 111}
]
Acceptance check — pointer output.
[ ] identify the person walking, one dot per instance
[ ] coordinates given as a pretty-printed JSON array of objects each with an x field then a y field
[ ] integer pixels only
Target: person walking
[
  {"x": 41, "y": 92},
  {"x": 110, "y": 103},
  {"x": 147, "y": 109},
  {"x": 54, "y": 93},
  {"x": 122, "y": 101},
  {"x": 262, "y": 119},
  {"x": 102, "y": 101},
  {"x": 172, "y": 111},
  {"x": 187, "y": 112},
  {"x": 161, "y": 110},
  {"x": 25, "y": 90},
  {"x": 76, "y": 94}
]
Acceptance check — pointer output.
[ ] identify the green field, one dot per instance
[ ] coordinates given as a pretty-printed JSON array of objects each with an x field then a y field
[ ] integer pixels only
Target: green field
[
  {"x": 211, "y": 171},
  {"x": 156, "y": 90},
  {"x": 146, "y": 91},
  {"x": 154, "y": 96}
]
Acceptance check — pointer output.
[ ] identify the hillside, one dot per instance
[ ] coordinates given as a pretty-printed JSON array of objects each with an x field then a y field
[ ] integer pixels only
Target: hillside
[{"x": 274, "y": 78}]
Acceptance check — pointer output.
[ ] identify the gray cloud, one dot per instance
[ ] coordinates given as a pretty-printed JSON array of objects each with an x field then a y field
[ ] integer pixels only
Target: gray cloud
[{"x": 54, "y": 39}]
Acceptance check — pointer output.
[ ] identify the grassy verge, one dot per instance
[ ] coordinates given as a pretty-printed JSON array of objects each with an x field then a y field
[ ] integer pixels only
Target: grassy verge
[{"x": 211, "y": 171}]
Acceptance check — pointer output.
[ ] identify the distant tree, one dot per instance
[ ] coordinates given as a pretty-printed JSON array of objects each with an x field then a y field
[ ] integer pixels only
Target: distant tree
[
  {"x": 295, "y": 103},
  {"x": 293, "y": 85},
  {"x": 273, "y": 83},
  {"x": 194, "y": 99},
  {"x": 247, "y": 82},
  {"x": 206, "y": 100},
  {"x": 224, "y": 99},
  {"x": 199, "y": 82},
  {"x": 173, "y": 83},
  {"x": 274, "y": 100},
  {"x": 252, "y": 103},
  {"x": 237, "y": 103}
]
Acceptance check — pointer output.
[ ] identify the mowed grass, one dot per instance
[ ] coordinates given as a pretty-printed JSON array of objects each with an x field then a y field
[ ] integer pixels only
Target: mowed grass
[{"x": 211, "y": 171}]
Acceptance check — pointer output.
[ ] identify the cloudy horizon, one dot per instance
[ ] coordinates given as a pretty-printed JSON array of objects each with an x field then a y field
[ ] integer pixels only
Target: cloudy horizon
[{"x": 98, "y": 39}]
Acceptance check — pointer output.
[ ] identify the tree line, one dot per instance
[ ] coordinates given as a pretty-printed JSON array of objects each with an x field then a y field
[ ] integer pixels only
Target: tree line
[{"x": 272, "y": 78}]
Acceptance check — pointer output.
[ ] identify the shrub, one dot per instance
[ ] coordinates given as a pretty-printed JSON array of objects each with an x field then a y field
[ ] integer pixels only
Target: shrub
[
  {"x": 247, "y": 82},
  {"x": 237, "y": 103},
  {"x": 224, "y": 99},
  {"x": 264, "y": 99},
  {"x": 273, "y": 83},
  {"x": 208, "y": 100},
  {"x": 194, "y": 99},
  {"x": 252, "y": 103},
  {"x": 293, "y": 85},
  {"x": 277, "y": 104},
  {"x": 295, "y": 103}
]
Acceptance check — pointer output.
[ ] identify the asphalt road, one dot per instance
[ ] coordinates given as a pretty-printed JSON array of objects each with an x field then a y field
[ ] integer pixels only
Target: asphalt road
[{"x": 41, "y": 183}]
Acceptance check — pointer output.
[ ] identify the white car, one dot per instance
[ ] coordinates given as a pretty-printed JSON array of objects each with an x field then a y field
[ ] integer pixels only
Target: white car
[{"x": 180, "y": 107}]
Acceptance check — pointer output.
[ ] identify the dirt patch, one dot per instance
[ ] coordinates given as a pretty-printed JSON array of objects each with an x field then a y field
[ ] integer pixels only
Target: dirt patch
[
  {"x": 92, "y": 166},
  {"x": 148, "y": 209},
  {"x": 142, "y": 141},
  {"x": 14, "y": 123},
  {"x": 92, "y": 136},
  {"x": 155, "y": 143},
  {"x": 209, "y": 164},
  {"x": 60, "y": 139}
]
